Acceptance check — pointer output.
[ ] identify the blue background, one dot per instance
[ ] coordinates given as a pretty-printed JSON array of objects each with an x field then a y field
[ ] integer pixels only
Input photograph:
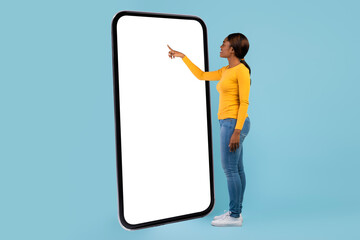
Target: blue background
[{"x": 301, "y": 157}]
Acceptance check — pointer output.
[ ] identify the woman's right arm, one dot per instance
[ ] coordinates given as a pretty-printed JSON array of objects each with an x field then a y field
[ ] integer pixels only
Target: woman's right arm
[{"x": 201, "y": 75}]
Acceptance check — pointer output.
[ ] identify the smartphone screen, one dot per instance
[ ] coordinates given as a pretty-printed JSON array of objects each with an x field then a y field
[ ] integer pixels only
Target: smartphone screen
[{"x": 162, "y": 116}]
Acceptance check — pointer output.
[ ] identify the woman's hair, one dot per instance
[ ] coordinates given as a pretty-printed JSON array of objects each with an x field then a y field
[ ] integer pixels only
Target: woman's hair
[{"x": 240, "y": 45}]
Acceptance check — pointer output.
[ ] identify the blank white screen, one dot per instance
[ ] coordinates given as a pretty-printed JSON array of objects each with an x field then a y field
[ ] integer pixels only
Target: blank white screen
[{"x": 163, "y": 119}]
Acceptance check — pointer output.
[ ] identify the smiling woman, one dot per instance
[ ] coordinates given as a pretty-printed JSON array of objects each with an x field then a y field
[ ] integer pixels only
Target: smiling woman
[{"x": 234, "y": 89}]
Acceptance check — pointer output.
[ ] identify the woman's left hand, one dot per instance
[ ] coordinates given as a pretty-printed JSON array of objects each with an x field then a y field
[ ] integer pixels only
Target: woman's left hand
[{"x": 234, "y": 140}]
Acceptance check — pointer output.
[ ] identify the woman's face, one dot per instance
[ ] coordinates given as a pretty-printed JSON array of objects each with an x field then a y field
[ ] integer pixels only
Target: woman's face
[{"x": 225, "y": 49}]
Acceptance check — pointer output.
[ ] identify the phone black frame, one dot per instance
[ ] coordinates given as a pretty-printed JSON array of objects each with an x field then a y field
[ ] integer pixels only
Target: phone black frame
[{"x": 114, "y": 38}]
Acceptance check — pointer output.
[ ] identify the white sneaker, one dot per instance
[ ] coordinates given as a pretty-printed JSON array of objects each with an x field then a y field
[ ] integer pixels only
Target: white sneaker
[
  {"x": 223, "y": 215},
  {"x": 227, "y": 221}
]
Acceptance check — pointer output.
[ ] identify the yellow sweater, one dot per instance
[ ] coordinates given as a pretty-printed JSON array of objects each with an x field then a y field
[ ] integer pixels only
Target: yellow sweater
[{"x": 233, "y": 87}]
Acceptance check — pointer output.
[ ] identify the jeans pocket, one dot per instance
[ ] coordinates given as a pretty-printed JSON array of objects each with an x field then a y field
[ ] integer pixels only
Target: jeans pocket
[{"x": 246, "y": 128}]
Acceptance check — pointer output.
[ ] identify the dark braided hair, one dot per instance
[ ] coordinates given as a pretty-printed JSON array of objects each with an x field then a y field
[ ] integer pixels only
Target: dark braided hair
[{"x": 240, "y": 44}]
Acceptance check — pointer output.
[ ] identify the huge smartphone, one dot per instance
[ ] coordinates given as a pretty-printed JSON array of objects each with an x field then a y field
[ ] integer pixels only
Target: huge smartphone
[{"x": 164, "y": 155}]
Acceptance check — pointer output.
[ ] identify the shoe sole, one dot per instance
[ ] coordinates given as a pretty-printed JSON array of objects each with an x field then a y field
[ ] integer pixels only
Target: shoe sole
[{"x": 226, "y": 225}]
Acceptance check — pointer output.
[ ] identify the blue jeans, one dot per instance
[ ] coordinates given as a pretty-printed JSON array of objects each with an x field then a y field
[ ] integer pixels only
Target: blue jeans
[{"x": 232, "y": 163}]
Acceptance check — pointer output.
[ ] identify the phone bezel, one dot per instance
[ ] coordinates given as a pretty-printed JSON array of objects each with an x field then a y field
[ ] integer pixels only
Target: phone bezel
[{"x": 114, "y": 37}]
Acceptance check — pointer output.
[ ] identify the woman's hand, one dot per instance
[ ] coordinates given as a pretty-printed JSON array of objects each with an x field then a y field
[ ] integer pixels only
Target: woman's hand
[
  {"x": 173, "y": 53},
  {"x": 234, "y": 140}
]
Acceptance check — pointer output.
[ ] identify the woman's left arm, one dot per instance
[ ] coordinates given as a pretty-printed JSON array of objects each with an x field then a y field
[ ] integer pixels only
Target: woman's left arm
[{"x": 244, "y": 91}]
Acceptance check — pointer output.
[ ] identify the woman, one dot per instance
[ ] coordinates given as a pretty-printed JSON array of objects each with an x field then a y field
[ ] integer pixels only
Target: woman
[{"x": 234, "y": 89}]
